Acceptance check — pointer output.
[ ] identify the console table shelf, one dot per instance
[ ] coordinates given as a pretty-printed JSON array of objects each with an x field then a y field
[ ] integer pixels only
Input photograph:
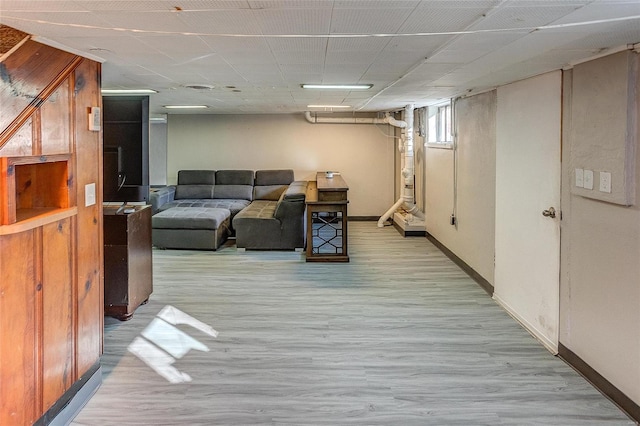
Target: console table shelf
[{"x": 327, "y": 219}]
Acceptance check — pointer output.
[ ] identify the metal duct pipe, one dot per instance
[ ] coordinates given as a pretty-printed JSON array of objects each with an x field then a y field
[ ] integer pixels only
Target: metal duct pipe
[{"x": 342, "y": 120}]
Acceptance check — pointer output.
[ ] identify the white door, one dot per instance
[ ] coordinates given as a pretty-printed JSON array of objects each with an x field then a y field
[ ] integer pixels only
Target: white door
[{"x": 527, "y": 262}]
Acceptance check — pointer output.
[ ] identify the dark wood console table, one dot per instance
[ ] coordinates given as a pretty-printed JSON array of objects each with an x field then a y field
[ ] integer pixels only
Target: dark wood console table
[
  {"x": 128, "y": 275},
  {"x": 327, "y": 219}
]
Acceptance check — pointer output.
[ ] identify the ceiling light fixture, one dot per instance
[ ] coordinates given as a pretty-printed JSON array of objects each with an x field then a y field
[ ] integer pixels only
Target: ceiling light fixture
[
  {"x": 328, "y": 106},
  {"x": 338, "y": 86},
  {"x": 127, "y": 91},
  {"x": 186, "y": 106}
]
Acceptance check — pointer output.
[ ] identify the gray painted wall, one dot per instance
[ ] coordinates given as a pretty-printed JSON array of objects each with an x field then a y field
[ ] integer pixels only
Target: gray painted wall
[
  {"x": 473, "y": 238},
  {"x": 363, "y": 153},
  {"x": 158, "y": 154},
  {"x": 600, "y": 264}
]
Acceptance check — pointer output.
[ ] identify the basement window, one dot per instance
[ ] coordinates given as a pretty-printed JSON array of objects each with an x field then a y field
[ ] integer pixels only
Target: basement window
[{"x": 439, "y": 126}]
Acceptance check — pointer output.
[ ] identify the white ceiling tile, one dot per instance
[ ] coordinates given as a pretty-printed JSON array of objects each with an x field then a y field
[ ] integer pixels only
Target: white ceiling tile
[
  {"x": 294, "y": 21},
  {"x": 367, "y": 21},
  {"x": 267, "y": 48},
  {"x": 444, "y": 16},
  {"x": 221, "y": 21}
]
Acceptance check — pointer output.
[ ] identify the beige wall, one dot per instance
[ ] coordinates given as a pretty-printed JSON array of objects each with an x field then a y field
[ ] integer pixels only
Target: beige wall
[
  {"x": 362, "y": 153},
  {"x": 472, "y": 239},
  {"x": 600, "y": 269}
]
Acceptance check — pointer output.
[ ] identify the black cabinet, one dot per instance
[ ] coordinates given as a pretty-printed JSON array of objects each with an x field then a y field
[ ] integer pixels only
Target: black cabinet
[{"x": 126, "y": 148}]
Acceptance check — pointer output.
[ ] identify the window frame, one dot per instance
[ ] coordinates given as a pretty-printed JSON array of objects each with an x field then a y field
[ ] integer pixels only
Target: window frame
[{"x": 443, "y": 126}]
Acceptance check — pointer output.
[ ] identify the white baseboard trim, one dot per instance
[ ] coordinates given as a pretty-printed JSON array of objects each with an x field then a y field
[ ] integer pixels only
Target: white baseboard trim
[{"x": 537, "y": 334}]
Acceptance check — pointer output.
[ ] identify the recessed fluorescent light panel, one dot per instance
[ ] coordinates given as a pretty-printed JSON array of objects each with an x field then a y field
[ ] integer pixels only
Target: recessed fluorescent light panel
[
  {"x": 338, "y": 86},
  {"x": 128, "y": 91},
  {"x": 328, "y": 106},
  {"x": 186, "y": 106}
]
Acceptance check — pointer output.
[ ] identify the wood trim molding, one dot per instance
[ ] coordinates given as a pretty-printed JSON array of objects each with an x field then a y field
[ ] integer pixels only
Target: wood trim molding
[
  {"x": 599, "y": 382},
  {"x": 69, "y": 404},
  {"x": 482, "y": 282}
]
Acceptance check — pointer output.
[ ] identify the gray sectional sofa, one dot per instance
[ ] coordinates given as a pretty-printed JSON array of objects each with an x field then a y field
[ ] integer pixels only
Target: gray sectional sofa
[{"x": 263, "y": 210}]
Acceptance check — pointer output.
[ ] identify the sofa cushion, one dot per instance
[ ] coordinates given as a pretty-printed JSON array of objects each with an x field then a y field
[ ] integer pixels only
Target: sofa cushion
[
  {"x": 268, "y": 192},
  {"x": 234, "y": 192},
  {"x": 196, "y": 177},
  {"x": 274, "y": 177},
  {"x": 190, "y": 218},
  {"x": 261, "y": 209},
  {"x": 234, "y": 184},
  {"x": 194, "y": 191},
  {"x": 270, "y": 184},
  {"x": 234, "y": 177},
  {"x": 234, "y": 206}
]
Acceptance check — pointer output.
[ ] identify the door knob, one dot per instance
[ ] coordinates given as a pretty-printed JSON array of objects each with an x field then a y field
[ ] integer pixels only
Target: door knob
[{"x": 549, "y": 213}]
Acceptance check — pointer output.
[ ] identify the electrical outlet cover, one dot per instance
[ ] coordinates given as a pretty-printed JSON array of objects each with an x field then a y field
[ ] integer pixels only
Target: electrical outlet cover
[
  {"x": 579, "y": 178},
  {"x": 588, "y": 179},
  {"x": 605, "y": 182}
]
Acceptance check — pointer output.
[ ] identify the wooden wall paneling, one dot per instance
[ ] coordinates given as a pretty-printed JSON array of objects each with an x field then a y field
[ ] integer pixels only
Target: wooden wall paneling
[
  {"x": 56, "y": 119},
  {"x": 57, "y": 309},
  {"x": 8, "y": 192},
  {"x": 27, "y": 73},
  {"x": 88, "y": 150},
  {"x": 18, "y": 287},
  {"x": 36, "y": 128},
  {"x": 21, "y": 143}
]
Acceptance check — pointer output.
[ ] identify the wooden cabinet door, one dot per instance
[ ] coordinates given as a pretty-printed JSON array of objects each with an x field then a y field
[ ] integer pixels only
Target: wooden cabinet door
[
  {"x": 18, "y": 318},
  {"x": 57, "y": 312}
]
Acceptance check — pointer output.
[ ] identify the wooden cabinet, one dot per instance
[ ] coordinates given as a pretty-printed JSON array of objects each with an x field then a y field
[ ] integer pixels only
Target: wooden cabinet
[
  {"x": 327, "y": 219},
  {"x": 128, "y": 271}
]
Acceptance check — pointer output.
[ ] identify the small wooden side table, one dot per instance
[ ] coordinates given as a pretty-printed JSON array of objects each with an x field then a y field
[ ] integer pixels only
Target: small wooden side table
[{"x": 327, "y": 219}]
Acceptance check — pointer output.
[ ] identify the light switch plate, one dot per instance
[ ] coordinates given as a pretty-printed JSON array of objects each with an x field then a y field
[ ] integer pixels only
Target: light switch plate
[
  {"x": 579, "y": 178},
  {"x": 89, "y": 194},
  {"x": 588, "y": 179},
  {"x": 605, "y": 182}
]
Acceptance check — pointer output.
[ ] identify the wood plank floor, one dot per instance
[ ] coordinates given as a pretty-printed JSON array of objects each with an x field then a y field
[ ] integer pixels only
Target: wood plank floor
[{"x": 398, "y": 336}]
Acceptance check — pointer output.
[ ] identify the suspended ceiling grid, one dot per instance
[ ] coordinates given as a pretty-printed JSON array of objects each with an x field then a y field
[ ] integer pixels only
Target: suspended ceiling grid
[{"x": 256, "y": 54}]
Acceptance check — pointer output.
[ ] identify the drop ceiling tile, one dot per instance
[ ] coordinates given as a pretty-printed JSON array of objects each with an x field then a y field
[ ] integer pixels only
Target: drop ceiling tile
[
  {"x": 602, "y": 10},
  {"x": 139, "y": 22},
  {"x": 368, "y": 21},
  {"x": 376, "y": 4},
  {"x": 316, "y": 45},
  {"x": 257, "y": 58},
  {"x": 516, "y": 15},
  {"x": 351, "y": 57},
  {"x": 221, "y": 21},
  {"x": 40, "y": 5},
  {"x": 294, "y": 21},
  {"x": 57, "y": 24},
  {"x": 290, "y": 4},
  {"x": 342, "y": 44},
  {"x": 177, "y": 47},
  {"x": 436, "y": 17}
]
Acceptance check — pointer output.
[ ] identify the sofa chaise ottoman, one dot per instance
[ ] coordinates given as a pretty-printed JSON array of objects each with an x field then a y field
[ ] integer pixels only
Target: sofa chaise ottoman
[{"x": 203, "y": 228}]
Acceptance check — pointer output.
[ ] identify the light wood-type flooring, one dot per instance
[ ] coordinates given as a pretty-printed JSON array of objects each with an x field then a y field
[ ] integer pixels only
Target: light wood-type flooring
[{"x": 398, "y": 336}]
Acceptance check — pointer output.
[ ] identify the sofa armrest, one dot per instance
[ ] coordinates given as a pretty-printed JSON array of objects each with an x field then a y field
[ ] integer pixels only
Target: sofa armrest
[
  {"x": 161, "y": 196},
  {"x": 292, "y": 202}
]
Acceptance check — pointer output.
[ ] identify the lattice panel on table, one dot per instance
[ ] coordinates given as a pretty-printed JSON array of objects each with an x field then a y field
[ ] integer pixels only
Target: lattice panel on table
[{"x": 327, "y": 233}]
